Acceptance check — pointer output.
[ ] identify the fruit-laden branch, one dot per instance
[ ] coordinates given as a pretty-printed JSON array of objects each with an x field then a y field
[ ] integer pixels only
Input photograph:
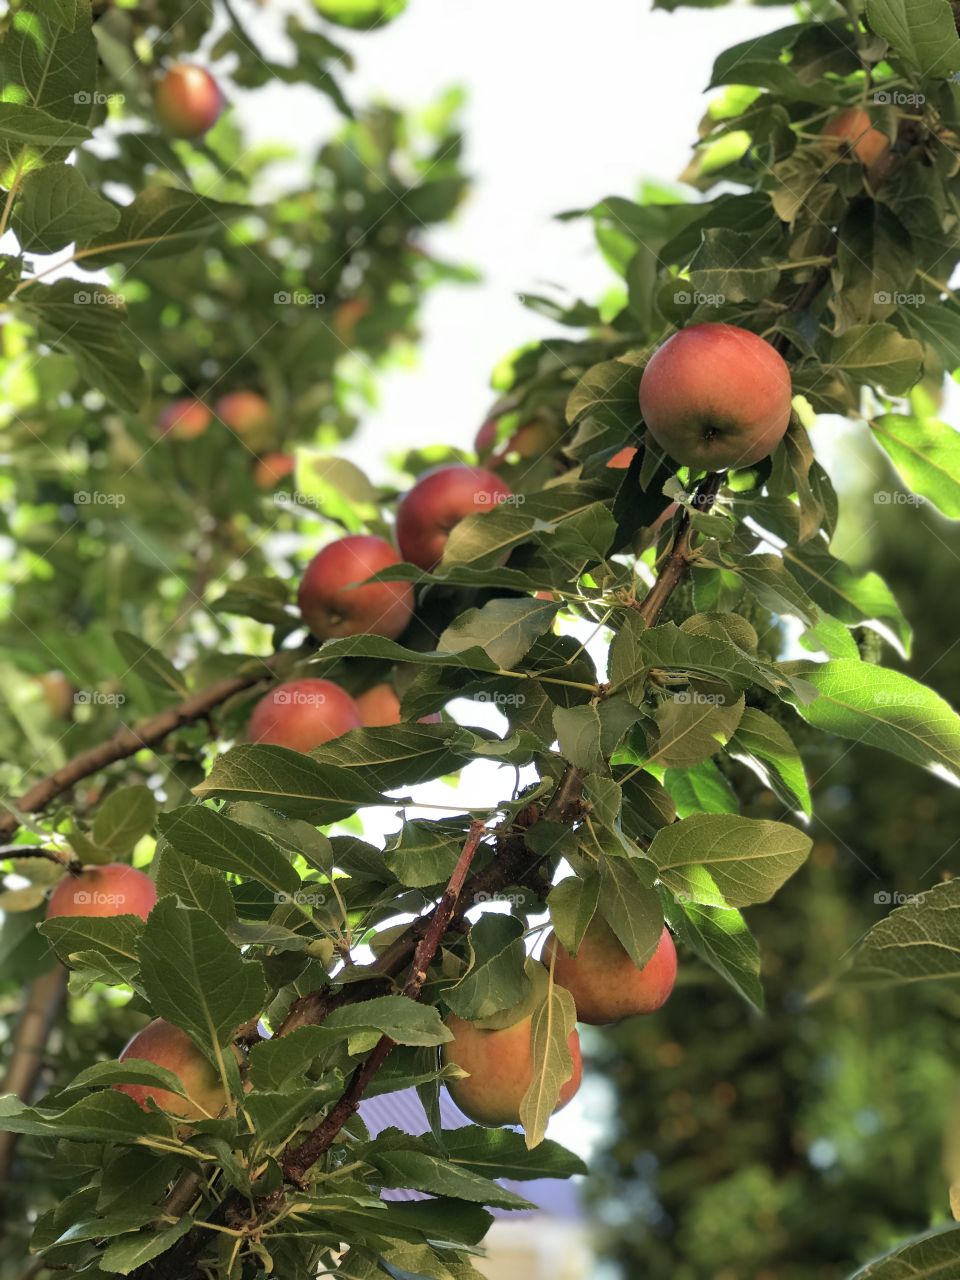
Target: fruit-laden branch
[
  {"x": 127, "y": 742},
  {"x": 44, "y": 1002},
  {"x": 681, "y": 555},
  {"x": 300, "y": 1159}
]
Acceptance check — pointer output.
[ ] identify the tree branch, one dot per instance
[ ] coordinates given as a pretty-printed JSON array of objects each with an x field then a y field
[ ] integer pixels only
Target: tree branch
[
  {"x": 127, "y": 742},
  {"x": 680, "y": 556}
]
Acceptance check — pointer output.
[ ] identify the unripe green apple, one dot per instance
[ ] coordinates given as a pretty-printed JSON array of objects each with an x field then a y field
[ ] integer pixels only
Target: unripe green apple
[
  {"x": 166, "y": 1045},
  {"x": 716, "y": 396},
  {"x": 184, "y": 419},
  {"x": 333, "y": 606},
  {"x": 500, "y": 1064},
  {"x": 111, "y": 890},
  {"x": 303, "y": 714},
  {"x": 187, "y": 101},
  {"x": 605, "y": 983},
  {"x": 854, "y": 128},
  {"x": 437, "y": 503}
]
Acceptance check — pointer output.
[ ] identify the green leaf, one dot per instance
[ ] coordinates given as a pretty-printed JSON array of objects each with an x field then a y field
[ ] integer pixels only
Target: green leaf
[
  {"x": 729, "y": 265},
  {"x": 572, "y": 904},
  {"x": 692, "y": 727},
  {"x": 159, "y": 222},
  {"x": 844, "y": 593},
  {"x": 578, "y": 733},
  {"x": 108, "y": 1116},
  {"x": 112, "y": 939},
  {"x": 122, "y": 1257},
  {"x": 83, "y": 321},
  {"x": 926, "y": 453},
  {"x": 496, "y": 979},
  {"x": 917, "y": 942},
  {"x": 56, "y": 207},
  {"x": 931, "y": 1257},
  {"x": 551, "y": 1026},
  {"x": 721, "y": 860},
  {"x": 217, "y": 842},
  {"x": 123, "y": 818},
  {"x": 884, "y": 709},
  {"x": 148, "y": 663},
  {"x": 502, "y": 1153},
  {"x": 668, "y": 646},
  {"x": 365, "y": 14},
  {"x": 48, "y": 73},
  {"x": 609, "y": 393},
  {"x": 759, "y": 737},
  {"x": 721, "y": 938},
  {"x": 420, "y": 1171},
  {"x": 425, "y": 853},
  {"x": 195, "y": 977},
  {"x": 876, "y": 355},
  {"x": 630, "y": 906},
  {"x": 701, "y": 789},
  {"x": 195, "y": 885},
  {"x": 401, "y": 1019},
  {"x": 922, "y": 32},
  {"x": 504, "y": 629}
]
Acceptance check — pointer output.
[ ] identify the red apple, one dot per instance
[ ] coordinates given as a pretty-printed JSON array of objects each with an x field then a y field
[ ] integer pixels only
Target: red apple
[
  {"x": 716, "y": 396},
  {"x": 621, "y": 461},
  {"x": 501, "y": 1070},
  {"x": 605, "y": 983},
  {"x": 379, "y": 705},
  {"x": 184, "y": 419},
  {"x": 245, "y": 412},
  {"x": 187, "y": 101},
  {"x": 167, "y": 1046},
  {"x": 272, "y": 468},
  {"x": 302, "y": 714},
  {"x": 486, "y": 437},
  {"x": 332, "y": 605},
  {"x": 437, "y": 503},
  {"x": 854, "y": 128},
  {"x": 111, "y": 890}
]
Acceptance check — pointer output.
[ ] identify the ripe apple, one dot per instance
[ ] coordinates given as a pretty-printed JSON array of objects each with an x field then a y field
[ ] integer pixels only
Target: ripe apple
[
  {"x": 187, "y": 101},
  {"x": 501, "y": 1070},
  {"x": 439, "y": 501},
  {"x": 332, "y": 605},
  {"x": 184, "y": 419},
  {"x": 854, "y": 128},
  {"x": 111, "y": 890},
  {"x": 605, "y": 983},
  {"x": 272, "y": 468},
  {"x": 486, "y": 437},
  {"x": 302, "y": 714},
  {"x": 165, "y": 1045},
  {"x": 246, "y": 413},
  {"x": 57, "y": 693},
  {"x": 380, "y": 706},
  {"x": 716, "y": 396}
]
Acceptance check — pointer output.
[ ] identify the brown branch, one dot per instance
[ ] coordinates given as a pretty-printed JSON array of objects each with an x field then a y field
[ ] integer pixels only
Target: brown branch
[
  {"x": 680, "y": 556},
  {"x": 127, "y": 742},
  {"x": 44, "y": 1002}
]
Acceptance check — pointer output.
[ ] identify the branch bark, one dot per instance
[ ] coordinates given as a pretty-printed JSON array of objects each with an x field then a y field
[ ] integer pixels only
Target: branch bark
[
  {"x": 680, "y": 556},
  {"x": 44, "y": 1001}
]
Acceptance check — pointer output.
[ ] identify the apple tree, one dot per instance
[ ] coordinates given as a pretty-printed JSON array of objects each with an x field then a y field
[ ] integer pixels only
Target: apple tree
[{"x": 635, "y": 566}]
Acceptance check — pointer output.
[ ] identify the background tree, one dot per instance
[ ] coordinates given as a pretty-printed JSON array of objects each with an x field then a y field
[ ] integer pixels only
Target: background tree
[{"x": 294, "y": 966}]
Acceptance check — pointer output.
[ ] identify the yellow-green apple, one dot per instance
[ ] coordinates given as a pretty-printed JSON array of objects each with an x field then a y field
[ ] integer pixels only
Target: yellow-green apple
[
  {"x": 165, "y": 1045},
  {"x": 272, "y": 468},
  {"x": 303, "y": 714},
  {"x": 58, "y": 694},
  {"x": 332, "y": 604},
  {"x": 184, "y": 419},
  {"x": 605, "y": 983},
  {"x": 854, "y": 128},
  {"x": 437, "y": 503},
  {"x": 716, "y": 396},
  {"x": 111, "y": 890},
  {"x": 187, "y": 101},
  {"x": 500, "y": 1064}
]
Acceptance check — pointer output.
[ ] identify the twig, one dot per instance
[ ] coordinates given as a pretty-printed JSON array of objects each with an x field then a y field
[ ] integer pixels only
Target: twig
[
  {"x": 44, "y": 1001},
  {"x": 680, "y": 556}
]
